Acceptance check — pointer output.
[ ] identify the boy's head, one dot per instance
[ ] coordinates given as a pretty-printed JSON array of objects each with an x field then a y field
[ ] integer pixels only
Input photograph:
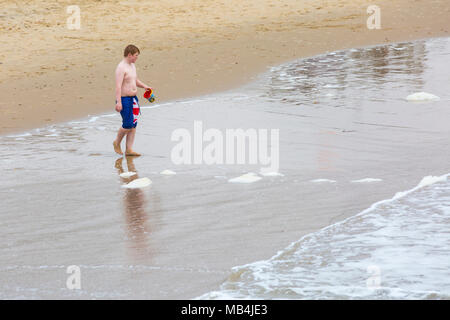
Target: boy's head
[{"x": 131, "y": 52}]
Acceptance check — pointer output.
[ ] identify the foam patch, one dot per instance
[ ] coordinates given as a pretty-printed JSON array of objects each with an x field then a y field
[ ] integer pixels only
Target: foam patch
[
  {"x": 127, "y": 174},
  {"x": 422, "y": 96},
  {"x": 246, "y": 178},
  {"x": 367, "y": 180},
  {"x": 138, "y": 183},
  {"x": 168, "y": 172},
  {"x": 271, "y": 174},
  {"x": 323, "y": 180}
]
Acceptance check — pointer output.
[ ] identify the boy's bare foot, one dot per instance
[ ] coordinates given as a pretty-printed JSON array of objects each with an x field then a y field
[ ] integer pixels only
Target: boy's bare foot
[
  {"x": 132, "y": 153},
  {"x": 117, "y": 148}
]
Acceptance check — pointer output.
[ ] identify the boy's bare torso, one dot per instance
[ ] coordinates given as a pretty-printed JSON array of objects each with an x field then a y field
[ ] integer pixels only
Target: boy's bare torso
[{"x": 129, "y": 80}]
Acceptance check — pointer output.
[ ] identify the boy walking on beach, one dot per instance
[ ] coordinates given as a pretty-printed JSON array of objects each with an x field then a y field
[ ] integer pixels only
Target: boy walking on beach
[{"x": 126, "y": 99}]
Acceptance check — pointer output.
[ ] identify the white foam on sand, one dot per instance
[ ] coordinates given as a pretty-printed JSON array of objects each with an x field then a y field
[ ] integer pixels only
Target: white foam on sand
[
  {"x": 167, "y": 172},
  {"x": 271, "y": 174},
  {"x": 138, "y": 183},
  {"x": 127, "y": 174},
  {"x": 93, "y": 119},
  {"x": 422, "y": 96},
  {"x": 323, "y": 180},
  {"x": 246, "y": 178},
  {"x": 26, "y": 134},
  {"x": 367, "y": 180}
]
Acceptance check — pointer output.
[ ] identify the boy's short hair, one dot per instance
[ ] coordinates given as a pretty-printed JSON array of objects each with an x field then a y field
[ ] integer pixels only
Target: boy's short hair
[{"x": 131, "y": 49}]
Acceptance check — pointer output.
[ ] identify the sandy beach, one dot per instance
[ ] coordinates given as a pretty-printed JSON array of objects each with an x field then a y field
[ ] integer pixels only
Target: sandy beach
[{"x": 51, "y": 74}]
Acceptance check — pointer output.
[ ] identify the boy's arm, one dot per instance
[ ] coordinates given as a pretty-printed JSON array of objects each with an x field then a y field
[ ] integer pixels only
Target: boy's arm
[
  {"x": 120, "y": 73},
  {"x": 140, "y": 84}
]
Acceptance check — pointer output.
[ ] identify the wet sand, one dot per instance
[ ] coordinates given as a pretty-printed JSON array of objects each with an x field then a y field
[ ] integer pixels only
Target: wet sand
[
  {"x": 51, "y": 74},
  {"x": 63, "y": 202}
]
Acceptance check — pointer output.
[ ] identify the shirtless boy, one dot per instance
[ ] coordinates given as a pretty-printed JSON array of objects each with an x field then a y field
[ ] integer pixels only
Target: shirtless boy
[{"x": 126, "y": 100}]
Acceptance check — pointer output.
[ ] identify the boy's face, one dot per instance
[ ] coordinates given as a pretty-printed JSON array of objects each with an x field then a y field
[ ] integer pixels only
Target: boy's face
[{"x": 133, "y": 57}]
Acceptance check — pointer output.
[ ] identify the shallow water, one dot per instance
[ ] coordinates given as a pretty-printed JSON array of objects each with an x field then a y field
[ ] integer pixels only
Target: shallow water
[
  {"x": 342, "y": 117},
  {"x": 396, "y": 249}
]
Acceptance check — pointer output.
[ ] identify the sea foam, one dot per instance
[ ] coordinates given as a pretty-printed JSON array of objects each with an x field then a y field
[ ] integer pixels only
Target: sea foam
[
  {"x": 246, "y": 178},
  {"x": 167, "y": 172},
  {"x": 127, "y": 174},
  {"x": 422, "y": 96},
  {"x": 367, "y": 180},
  {"x": 271, "y": 174},
  {"x": 138, "y": 183},
  {"x": 323, "y": 180},
  {"x": 403, "y": 244}
]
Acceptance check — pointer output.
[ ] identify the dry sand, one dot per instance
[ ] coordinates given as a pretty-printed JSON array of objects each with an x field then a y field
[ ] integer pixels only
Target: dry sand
[{"x": 51, "y": 74}]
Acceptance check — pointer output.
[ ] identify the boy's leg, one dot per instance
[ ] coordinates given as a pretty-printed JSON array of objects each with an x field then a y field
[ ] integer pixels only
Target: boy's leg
[
  {"x": 127, "y": 122},
  {"x": 120, "y": 134},
  {"x": 129, "y": 143}
]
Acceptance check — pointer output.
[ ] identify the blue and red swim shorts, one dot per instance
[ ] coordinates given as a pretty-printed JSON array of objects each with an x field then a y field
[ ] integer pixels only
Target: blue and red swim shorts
[{"x": 130, "y": 112}]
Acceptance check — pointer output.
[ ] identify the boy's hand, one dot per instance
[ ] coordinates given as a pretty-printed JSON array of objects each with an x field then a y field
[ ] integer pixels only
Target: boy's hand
[
  {"x": 147, "y": 88},
  {"x": 118, "y": 107}
]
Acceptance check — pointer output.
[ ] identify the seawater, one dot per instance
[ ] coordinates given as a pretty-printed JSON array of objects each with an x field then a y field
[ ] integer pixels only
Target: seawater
[{"x": 396, "y": 249}]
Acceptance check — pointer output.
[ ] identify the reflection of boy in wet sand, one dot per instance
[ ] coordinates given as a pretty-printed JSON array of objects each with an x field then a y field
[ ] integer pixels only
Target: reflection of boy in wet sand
[
  {"x": 127, "y": 102},
  {"x": 135, "y": 215}
]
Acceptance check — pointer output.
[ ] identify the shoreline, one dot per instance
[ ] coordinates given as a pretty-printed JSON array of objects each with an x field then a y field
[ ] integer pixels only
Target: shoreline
[
  {"x": 182, "y": 60},
  {"x": 194, "y": 97}
]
